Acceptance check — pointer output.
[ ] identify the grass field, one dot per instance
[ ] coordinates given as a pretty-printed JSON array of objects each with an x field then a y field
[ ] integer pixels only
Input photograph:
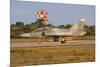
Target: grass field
[{"x": 52, "y": 55}]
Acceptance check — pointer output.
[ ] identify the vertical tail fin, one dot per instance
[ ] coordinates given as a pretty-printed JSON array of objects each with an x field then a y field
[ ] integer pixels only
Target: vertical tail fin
[{"x": 77, "y": 28}]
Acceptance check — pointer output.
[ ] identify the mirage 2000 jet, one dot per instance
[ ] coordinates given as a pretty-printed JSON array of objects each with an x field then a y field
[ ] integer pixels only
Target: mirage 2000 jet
[{"x": 75, "y": 30}]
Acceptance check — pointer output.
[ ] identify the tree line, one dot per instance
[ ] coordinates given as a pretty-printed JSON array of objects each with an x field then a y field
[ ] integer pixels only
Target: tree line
[{"x": 20, "y": 28}]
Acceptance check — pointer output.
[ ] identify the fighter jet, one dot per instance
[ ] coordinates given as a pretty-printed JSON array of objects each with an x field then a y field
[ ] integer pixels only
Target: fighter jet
[{"x": 75, "y": 30}]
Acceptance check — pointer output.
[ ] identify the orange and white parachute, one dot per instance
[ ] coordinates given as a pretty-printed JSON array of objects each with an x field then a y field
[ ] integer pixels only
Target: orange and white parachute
[{"x": 42, "y": 14}]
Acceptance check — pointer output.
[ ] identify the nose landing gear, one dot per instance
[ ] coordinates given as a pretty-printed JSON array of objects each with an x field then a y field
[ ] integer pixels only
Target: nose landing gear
[{"x": 63, "y": 40}]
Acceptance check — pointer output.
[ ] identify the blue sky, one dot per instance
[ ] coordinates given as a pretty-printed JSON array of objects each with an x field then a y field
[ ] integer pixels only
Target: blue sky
[{"x": 57, "y": 13}]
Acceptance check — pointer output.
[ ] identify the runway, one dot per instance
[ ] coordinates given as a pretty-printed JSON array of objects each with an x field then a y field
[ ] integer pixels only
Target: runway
[{"x": 74, "y": 42}]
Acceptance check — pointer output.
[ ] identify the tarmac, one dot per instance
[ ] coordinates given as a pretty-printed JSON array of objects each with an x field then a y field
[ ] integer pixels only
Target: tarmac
[{"x": 73, "y": 42}]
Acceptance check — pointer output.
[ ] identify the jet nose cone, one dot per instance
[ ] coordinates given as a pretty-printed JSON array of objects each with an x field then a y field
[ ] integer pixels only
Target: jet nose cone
[{"x": 25, "y": 35}]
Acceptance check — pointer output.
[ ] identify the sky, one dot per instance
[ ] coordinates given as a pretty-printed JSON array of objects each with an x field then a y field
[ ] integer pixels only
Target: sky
[{"x": 58, "y": 13}]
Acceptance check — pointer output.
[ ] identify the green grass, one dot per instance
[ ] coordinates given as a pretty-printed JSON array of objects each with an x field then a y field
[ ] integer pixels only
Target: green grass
[{"x": 52, "y": 55}]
